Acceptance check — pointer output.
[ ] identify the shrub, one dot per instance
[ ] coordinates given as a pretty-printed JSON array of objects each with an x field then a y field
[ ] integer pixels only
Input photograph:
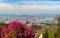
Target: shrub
[{"x": 17, "y": 30}]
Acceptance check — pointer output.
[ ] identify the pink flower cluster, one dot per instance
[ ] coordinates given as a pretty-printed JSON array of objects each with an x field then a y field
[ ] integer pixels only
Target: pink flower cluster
[{"x": 17, "y": 30}]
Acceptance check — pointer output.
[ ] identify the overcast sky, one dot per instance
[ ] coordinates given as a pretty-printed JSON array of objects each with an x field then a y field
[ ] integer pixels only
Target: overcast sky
[{"x": 29, "y": 7}]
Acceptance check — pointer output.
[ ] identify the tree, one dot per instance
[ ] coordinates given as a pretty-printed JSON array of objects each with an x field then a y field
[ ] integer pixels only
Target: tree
[
  {"x": 45, "y": 35},
  {"x": 58, "y": 28}
]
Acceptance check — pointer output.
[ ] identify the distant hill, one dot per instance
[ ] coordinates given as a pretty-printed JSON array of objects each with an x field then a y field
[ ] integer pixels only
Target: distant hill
[{"x": 39, "y": 15}]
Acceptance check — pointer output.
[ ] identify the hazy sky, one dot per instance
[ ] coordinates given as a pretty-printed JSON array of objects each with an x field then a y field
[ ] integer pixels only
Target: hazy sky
[{"x": 30, "y": 7}]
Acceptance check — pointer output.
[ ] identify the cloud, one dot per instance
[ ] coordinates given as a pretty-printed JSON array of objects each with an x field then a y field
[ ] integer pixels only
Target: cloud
[
  {"x": 37, "y": 3},
  {"x": 30, "y": 7},
  {"x": 10, "y": 1},
  {"x": 31, "y": 0}
]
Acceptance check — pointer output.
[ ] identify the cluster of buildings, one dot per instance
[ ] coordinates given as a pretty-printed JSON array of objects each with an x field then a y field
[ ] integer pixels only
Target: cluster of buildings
[{"x": 30, "y": 19}]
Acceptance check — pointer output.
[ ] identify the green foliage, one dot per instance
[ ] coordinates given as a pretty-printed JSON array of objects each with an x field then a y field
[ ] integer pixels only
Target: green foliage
[
  {"x": 13, "y": 36},
  {"x": 58, "y": 28},
  {"x": 27, "y": 22},
  {"x": 4, "y": 25},
  {"x": 50, "y": 33},
  {"x": 45, "y": 35},
  {"x": 55, "y": 35},
  {"x": 36, "y": 27}
]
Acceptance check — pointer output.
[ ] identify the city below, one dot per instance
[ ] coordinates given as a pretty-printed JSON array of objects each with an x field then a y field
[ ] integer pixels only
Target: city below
[{"x": 7, "y": 18}]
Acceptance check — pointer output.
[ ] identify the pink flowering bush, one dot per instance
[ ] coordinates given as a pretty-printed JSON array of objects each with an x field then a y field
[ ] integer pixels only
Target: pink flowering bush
[{"x": 17, "y": 30}]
